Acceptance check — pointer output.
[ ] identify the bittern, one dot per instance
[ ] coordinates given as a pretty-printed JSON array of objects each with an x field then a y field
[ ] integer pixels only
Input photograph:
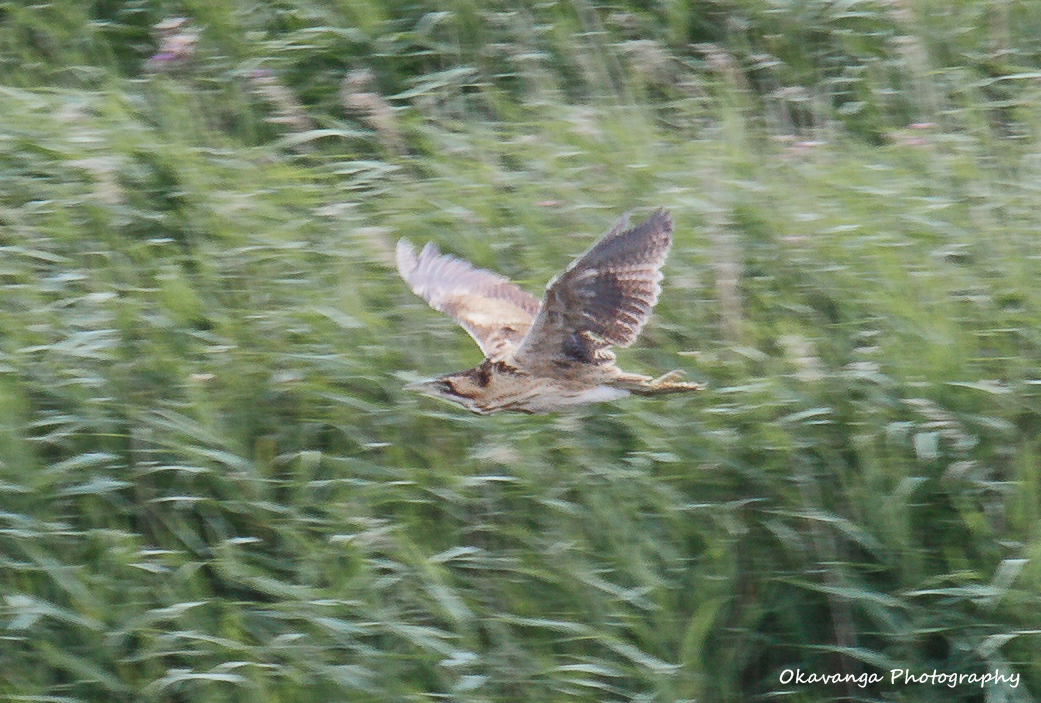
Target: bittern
[{"x": 548, "y": 355}]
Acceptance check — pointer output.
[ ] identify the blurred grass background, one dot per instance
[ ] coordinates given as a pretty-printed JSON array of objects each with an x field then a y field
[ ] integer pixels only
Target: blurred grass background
[{"x": 212, "y": 487}]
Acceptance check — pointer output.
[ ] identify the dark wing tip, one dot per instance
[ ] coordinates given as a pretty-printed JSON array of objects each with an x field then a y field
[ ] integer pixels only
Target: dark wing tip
[
  {"x": 662, "y": 220},
  {"x": 660, "y": 224},
  {"x": 646, "y": 243}
]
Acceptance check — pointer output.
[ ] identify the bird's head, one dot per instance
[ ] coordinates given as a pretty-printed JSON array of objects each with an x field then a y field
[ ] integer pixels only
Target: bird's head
[{"x": 461, "y": 388}]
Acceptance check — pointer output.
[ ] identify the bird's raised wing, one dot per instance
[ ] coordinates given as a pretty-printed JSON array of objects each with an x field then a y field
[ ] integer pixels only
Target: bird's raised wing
[
  {"x": 496, "y": 313},
  {"x": 603, "y": 298}
]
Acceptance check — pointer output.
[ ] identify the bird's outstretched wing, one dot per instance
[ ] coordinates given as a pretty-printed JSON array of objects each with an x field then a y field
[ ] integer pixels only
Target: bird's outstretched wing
[
  {"x": 496, "y": 313},
  {"x": 603, "y": 298}
]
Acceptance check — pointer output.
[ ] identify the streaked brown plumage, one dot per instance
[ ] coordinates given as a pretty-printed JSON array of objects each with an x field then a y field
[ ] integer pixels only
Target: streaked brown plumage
[{"x": 541, "y": 357}]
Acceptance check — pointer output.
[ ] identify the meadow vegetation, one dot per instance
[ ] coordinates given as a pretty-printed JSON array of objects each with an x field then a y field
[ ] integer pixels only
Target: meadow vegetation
[{"x": 212, "y": 487}]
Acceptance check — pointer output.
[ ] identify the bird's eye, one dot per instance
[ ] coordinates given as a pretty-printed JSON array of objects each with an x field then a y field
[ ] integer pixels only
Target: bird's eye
[{"x": 447, "y": 386}]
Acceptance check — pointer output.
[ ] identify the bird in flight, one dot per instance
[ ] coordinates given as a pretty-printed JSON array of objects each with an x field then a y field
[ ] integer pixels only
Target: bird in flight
[{"x": 548, "y": 355}]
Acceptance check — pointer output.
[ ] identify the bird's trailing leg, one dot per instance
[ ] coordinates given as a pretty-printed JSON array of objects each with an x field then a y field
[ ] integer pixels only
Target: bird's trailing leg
[
  {"x": 671, "y": 383},
  {"x": 666, "y": 383}
]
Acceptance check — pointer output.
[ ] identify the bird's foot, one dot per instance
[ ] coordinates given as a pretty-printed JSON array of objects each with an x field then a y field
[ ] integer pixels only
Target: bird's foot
[
  {"x": 670, "y": 383},
  {"x": 667, "y": 379}
]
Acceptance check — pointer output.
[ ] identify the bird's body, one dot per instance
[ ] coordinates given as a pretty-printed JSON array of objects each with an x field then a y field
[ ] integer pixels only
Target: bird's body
[{"x": 548, "y": 355}]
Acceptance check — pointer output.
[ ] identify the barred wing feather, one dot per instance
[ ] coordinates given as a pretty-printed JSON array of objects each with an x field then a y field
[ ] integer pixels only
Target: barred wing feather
[
  {"x": 496, "y": 313},
  {"x": 603, "y": 298}
]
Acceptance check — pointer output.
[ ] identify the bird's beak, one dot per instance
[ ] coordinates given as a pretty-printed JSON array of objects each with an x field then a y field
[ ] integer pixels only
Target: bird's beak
[{"x": 423, "y": 387}]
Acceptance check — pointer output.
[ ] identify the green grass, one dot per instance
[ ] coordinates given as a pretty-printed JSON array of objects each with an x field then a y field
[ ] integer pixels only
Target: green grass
[{"x": 212, "y": 487}]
